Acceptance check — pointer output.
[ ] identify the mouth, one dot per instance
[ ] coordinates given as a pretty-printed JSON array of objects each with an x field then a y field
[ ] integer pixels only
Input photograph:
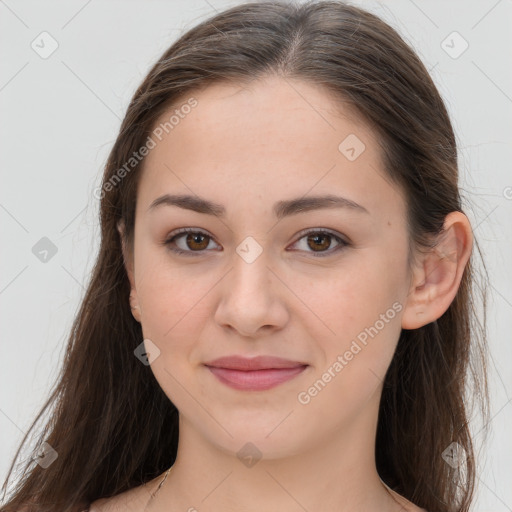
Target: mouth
[{"x": 254, "y": 374}]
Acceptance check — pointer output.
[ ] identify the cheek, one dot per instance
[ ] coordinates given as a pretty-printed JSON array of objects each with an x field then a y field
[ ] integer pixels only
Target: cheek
[
  {"x": 173, "y": 311},
  {"x": 173, "y": 300},
  {"x": 354, "y": 368},
  {"x": 352, "y": 297},
  {"x": 362, "y": 309}
]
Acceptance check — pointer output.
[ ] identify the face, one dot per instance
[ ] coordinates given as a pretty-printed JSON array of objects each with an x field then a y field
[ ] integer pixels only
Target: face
[{"x": 320, "y": 284}]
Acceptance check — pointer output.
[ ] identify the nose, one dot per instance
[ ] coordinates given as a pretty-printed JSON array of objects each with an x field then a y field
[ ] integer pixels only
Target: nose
[{"x": 252, "y": 298}]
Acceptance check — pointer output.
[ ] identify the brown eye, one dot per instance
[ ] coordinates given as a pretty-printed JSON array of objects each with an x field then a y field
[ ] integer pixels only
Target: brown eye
[
  {"x": 189, "y": 241},
  {"x": 193, "y": 242},
  {"x": 319, "y": 243},
  {"x": 196, "y": 241}
]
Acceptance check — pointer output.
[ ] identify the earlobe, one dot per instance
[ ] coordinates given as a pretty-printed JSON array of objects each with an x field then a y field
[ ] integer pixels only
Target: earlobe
[
  {"x": 134, "y": 305},
  {"x": 128, "y": 265},
  {"x": 437, "y": 278}
]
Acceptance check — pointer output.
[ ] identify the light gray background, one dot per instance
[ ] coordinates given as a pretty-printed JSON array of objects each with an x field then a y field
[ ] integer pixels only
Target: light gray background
[{"x": 60, "y": 116}]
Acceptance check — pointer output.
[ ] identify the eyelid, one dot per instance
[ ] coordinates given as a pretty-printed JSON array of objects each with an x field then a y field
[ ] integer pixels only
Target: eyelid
[
  {"x": 177, "y": 233},
  {"x": 341, "y": 239},
  {"x": 326, "y": 231}
]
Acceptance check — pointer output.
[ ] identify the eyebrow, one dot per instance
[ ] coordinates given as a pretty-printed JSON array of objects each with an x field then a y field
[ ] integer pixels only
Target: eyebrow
[{"x": 281, "y": 208}]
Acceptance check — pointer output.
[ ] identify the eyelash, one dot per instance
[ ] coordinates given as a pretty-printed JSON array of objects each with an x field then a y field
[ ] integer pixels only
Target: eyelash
[{"x": 321, "y": 254}]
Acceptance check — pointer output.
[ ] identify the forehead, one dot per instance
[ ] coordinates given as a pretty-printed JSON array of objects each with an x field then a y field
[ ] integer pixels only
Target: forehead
[{"x": 272, "y": 139}]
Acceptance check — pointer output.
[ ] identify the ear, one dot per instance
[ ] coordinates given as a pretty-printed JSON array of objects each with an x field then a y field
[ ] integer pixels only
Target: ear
[
  {"x": 128, "y": 265},
  {"x": 437, "y": 277}
]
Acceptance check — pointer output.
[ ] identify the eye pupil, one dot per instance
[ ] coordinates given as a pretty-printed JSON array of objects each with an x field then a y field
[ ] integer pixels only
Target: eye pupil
[
  {"x": 318, "y": 242},
  {"x": 320, "y": 236},
  {"x": 192, "y": 237}
]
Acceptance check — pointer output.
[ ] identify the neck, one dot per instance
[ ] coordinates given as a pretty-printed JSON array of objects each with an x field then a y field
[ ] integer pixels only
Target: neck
[{"x": 336, "y": 474}]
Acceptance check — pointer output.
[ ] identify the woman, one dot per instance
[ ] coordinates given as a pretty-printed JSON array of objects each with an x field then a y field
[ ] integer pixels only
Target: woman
[{"x": 281, "y": 311}]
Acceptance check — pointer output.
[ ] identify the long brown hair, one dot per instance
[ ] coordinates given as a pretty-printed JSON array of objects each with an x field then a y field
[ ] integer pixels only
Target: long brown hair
[{"x": 111, "y": 424}]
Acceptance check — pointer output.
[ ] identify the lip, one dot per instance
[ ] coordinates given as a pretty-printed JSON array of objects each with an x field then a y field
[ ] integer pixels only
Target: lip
[
  {"x": 256, "y": 373},
  {"x": 253, "y": 363}
]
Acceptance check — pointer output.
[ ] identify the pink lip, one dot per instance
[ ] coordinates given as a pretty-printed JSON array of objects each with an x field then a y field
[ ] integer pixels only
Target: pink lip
[{"x": 254, "y": 374}]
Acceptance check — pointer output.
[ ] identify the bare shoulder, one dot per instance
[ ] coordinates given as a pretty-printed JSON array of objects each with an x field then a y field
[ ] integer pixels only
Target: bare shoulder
[{"x": 133, "y": 500}]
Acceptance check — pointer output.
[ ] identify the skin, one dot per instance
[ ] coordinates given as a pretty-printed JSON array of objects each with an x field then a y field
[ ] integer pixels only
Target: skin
[{"x": 247, "y": 148}]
